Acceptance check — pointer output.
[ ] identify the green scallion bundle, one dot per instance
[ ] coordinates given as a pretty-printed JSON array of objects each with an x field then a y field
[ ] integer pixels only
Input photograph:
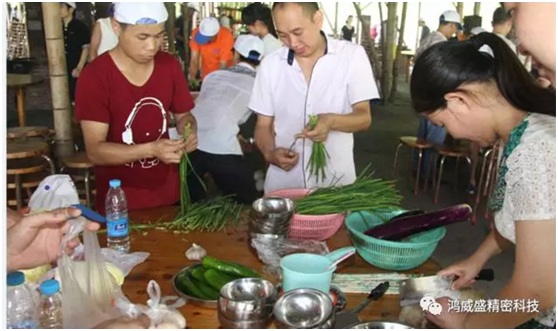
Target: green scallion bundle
[
  {"x": 319, "y": 156},
  {"x": 184, "y": 167},
  {"x": 365, "y": 194}
]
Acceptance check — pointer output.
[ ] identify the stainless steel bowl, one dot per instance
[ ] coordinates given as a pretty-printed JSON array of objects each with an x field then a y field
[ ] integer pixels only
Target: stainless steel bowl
[
  {"x": 254, "y": 324},
  {"x": 273, "y": 206},
  {"x": 380, "y": 325},
  {"x": 303, "y": 309},
  {"x": 190, "y": 299},
  {"x": 247, "y": 299}
]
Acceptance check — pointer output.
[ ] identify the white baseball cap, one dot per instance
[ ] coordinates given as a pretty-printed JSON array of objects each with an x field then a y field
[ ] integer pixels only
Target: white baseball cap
[
  {"x": 140, "y": 12},
  {"x": 249, "y": 46},
  {"x": 451, "y": 16},
  {"x": 209, "y": 28},
  {"x": 71, "y": 4}
]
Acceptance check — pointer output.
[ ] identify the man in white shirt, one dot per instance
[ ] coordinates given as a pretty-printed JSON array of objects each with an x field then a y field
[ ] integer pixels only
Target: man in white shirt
[
  {"x": 311, "y": 75},
  {"x": 221, "y": 107},
  {"x": 258, "y": 20}
]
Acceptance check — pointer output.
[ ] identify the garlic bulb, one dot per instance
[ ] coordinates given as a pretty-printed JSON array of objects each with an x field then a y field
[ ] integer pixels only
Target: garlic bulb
[{"x": 195, "y": 253}]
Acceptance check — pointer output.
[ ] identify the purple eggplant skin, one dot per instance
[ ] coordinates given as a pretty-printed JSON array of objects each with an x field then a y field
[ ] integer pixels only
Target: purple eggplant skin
[
  {"x": 400, "y": 228},
  {"x": 413, "y": 212}
]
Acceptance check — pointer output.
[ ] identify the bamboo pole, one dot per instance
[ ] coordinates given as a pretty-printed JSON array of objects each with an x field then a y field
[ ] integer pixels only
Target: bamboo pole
[
  {"x": 58, "y": 80},
  {"x": 368, "y": 45},
  {"x": 459, "y": 9},
  {"x": 477, "y": 8},
  {"x": 387, "y": 55},
  {"x": 169, "y": 25},
  {"x": 398, "y": 53},
  {"x": 336, "y": 21}
]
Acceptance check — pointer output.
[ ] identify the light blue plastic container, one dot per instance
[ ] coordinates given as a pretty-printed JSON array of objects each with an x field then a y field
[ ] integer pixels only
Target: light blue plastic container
[{"x": 311, "y": 270}]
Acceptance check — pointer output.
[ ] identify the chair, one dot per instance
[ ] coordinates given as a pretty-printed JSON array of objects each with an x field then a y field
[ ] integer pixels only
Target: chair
[
  {"x": 80, "y": 162},
  {"x": 444, "y": 152},
  {"x": 414, "y": 143},
  {"x": 26, "y": 168}
]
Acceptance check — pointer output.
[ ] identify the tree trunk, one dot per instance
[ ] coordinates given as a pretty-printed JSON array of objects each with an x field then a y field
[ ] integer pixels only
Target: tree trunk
[
  {"x": 58, "y": 80},
  {"x": 477, "y": 8},
  {"x": 368, "y": 45},
  {"x": 387, "y": 54},
  {"x": 459, "y": 9},
  {"x": 398, "y": 53},
  {"x": 169, "y": 26},
  {"x": 188, "y": 15}
]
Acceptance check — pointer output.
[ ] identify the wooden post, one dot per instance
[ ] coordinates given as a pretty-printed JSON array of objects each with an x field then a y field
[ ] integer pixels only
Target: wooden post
[
  {"x": 169, "y": 26},
  {"x": 58, "y": 80},
  {"x": 459, "y": 9},
  {"x": 387, "y": 55},
  {"x": 188, "y": 17},
  {"x": 336, "y": 21},
  {"x": 477, "y": 8},
  {"x": 368, "y": 45},
  {"x": 398, "y": 53}
]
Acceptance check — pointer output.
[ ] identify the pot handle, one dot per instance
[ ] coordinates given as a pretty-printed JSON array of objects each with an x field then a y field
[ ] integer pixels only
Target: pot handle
[{"x": 341, "y": 254}]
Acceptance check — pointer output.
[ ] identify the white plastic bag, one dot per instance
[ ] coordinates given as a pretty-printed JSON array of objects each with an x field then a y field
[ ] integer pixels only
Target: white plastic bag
[
  {"x": 87, "y": 298},
  {"x": 56, "y": 191},
  {"x": 161, "y": 312}
]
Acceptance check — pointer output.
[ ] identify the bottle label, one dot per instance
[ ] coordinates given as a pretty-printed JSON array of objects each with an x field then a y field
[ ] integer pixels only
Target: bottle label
[{"x": 118, "y": 227}]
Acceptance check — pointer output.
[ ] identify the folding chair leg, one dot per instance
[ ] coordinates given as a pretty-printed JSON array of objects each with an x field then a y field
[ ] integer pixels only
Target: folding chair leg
[
  {"x": 395, "y": 158},
  {"x": 439, "y": 179}
]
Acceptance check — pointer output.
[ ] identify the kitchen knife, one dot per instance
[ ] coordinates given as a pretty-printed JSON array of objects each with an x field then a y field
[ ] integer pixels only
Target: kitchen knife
[
  {"x": 346, "y": 318},
  {"x": 412, "y": 290}
]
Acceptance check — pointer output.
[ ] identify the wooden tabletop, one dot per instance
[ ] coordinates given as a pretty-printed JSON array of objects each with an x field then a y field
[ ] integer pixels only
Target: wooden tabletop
[
  {"x": 167, "y": 257},
  {"x": 27, "y": 131},
  {"x": 22, "y": 80}
]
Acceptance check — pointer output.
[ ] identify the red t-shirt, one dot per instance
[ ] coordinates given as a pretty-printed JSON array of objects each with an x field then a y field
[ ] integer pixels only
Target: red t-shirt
[{"x": 135, "y": 115}]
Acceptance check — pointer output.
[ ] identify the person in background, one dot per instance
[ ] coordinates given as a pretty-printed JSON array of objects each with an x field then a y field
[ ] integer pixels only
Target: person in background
[
  {"x": 76, "y": 44},
  {"x": 425, "y": 30},
  {"x": 348, "y": 30},
  {"x": 479, "y": 91},
  {"x": 225, "y": 21},
  {"x": 312, "y": 75},
  {"x": 477, "y": 30},
  {"x": 259, "y": 21},
  {"x": 220, "y": 108},
  {"x": 124, "y": 103},
  {"x": 211, "y": 44},
  {"x": 103, "y": 38},
  {"x": 502, "y": 25},
  {"x": 450, "y": 23}
]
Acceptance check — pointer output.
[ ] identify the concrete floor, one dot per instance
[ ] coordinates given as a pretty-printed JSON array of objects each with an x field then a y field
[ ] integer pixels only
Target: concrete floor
[{"x": 376, "y": 147}]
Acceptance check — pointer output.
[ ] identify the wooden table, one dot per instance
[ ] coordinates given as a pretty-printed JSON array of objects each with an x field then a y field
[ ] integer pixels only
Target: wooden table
[
  {"x": 167, "y": 257},
  {"x": 19, "y": 82}
]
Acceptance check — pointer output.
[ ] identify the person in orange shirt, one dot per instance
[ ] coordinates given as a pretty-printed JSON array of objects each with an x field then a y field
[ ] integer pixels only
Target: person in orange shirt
[{"x": 213, "y": 45}]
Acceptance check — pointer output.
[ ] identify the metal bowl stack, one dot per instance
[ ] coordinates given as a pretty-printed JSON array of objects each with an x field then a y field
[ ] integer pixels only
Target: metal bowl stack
[
  {"x": 304, "y": 309},
  {"x": 270, "y": 218}
]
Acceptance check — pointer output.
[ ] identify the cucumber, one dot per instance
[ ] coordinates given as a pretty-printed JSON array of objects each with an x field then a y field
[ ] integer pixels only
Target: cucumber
[
  {"x": 197, "y": 274},
  {"x": 238, "y": 270},
  {"x": 207, "y": 290},
  {"x": 186, "y": 285},
  {"x": 216, "y": 279}
]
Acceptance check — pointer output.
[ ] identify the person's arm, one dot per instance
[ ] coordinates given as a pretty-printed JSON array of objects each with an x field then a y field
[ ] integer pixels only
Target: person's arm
[
  {"x": 533, "y": 279},
  {"x": 12, "y": 217},
  {"x": 264, "y": 135},
  {"x": 101, "y": 152},
  {"x": 95, "y": 41},
  {"x": 85, "y": 39},
  {"x": 360, "y": 119}
]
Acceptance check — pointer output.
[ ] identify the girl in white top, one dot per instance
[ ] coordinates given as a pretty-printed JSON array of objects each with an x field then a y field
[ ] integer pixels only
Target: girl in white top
[
  {"x": 259, "y": 21},
  {"x": 479, "y": 91},
  {"x": 103, "y": 38}
]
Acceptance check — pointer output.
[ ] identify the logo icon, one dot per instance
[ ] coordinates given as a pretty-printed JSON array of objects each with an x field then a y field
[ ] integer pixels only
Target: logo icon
[{"x": 429, "y": 304}]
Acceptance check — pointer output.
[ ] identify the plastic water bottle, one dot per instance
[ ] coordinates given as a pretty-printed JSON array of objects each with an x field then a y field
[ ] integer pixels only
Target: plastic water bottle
[
  {"x": 116, "y": 207},
  {"x": 50, "y": 306},
  {"x": 21, "y": 305}
]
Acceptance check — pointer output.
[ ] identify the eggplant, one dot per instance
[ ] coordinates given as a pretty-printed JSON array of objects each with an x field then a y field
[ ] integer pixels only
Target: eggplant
[
  {"x": 399, "y": 228},
  {"x": 413, "y": 212}
]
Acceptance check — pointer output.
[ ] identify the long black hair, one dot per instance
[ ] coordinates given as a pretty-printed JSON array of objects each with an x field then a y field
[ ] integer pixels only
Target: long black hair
[
  {"x": 258, "y": 11},
  {"x": 445, "y": 67}
]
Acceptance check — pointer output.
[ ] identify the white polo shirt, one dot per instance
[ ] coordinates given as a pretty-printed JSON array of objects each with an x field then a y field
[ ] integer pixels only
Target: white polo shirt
[
  {"x": 221, "y": 107},
  {"x": 340, "y": 79}
]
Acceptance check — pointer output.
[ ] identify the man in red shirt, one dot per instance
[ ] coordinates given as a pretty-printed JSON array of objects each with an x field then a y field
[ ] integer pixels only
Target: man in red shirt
[{"x": 123, "y": 102}]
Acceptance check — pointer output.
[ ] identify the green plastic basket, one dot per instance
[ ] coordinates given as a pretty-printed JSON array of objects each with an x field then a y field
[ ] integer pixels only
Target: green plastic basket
[{"x": 391, "y": 255}]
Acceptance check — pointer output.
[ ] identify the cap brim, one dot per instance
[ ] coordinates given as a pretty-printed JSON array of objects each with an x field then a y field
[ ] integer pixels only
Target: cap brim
[{"x": 201, "y": 39}]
